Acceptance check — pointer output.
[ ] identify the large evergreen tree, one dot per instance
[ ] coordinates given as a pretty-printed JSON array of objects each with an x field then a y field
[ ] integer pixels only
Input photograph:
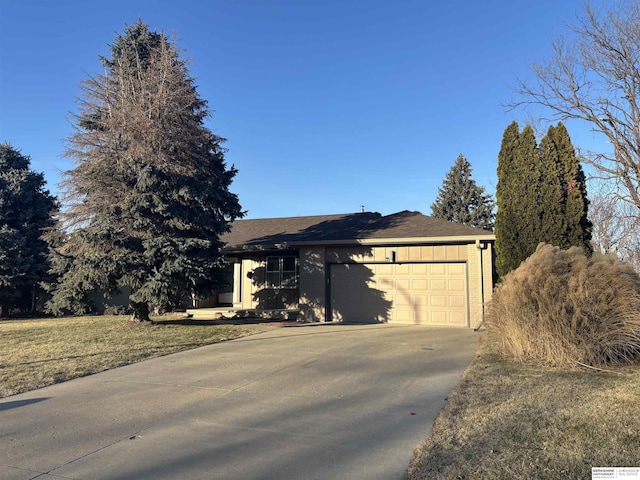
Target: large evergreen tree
[
  {"x": 552, "y": 211},
  {"x": 573, "y": 192},
  {"x": 26, "y": 209},
  {"x": 507, "y": 216},
  {"x": 528, "y": 184},
  {"x": 149, "y": 195},
  {"x": 461, "y": 200},
  {"x": 541, "y": 196}
]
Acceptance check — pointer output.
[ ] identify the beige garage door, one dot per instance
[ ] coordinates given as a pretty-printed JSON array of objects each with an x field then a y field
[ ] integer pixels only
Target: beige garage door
[{"x": 415, "y": 293}]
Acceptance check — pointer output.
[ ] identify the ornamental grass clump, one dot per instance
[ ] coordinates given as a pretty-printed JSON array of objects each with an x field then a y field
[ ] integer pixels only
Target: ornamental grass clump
[{"x": 562, "y": 309}]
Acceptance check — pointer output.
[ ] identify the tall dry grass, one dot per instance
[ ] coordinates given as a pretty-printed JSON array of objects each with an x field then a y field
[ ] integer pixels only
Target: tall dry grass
[{"x": 562, "y": 309}]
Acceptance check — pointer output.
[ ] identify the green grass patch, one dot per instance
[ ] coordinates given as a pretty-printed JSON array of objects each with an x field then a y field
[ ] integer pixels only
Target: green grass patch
[
  {"x": 507, "y": 420},
  {"x": 38, "y": 352}
]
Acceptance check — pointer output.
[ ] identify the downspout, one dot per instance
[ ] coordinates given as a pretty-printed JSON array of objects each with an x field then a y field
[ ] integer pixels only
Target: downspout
[{"x": 481, "y": 247}]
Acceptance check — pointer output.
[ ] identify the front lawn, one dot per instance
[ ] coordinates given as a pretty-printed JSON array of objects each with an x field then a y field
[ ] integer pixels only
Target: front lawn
[
  {"x": 39, "y": 352},
  {"x": 507, "y": 421}
]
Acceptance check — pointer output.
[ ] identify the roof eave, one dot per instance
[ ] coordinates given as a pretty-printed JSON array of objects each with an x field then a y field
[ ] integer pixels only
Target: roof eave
[{"x": 488, "y": 237}]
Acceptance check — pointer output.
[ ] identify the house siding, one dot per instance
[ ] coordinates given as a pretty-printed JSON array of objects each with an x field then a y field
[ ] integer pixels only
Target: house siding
[
  {"x": 312, "y": 284},
  {"x": 248, "y": 289}
]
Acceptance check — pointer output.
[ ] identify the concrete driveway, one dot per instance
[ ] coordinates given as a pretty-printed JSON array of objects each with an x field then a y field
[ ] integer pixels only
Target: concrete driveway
[{"x": 300, "y": 402}]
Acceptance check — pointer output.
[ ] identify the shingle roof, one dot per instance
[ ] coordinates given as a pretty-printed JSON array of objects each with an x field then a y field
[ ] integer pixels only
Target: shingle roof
[{"x": 343, "y": 228}]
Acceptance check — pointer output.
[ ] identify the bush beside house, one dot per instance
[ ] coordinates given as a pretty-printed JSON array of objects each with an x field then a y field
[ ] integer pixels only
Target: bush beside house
[{"x": 563, "y": 309}]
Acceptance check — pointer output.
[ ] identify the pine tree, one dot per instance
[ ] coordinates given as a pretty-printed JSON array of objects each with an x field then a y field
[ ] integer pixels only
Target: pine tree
[
  {"x": 461, "y": 200},
  {"x": 149, "y": 195},
  {"x": 26, "y": 209}
]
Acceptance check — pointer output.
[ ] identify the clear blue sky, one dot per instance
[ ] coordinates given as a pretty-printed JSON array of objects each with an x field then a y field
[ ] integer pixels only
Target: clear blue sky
[{"x": 326, "y": 104}]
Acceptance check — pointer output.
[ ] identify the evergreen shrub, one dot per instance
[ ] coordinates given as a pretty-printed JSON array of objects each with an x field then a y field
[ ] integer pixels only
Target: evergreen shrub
[{"x": 561, "y": 308}]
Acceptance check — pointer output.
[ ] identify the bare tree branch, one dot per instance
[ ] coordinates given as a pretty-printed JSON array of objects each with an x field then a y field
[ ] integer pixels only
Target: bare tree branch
[
  {"x": 594, "y": 76},
  {"x": 616, "y": 225}
]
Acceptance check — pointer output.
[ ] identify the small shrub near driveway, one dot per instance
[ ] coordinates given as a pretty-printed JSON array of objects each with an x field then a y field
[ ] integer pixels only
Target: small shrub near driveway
[
  {"x": 38, "y": 352},
  {"x": 562, "y": 309}
]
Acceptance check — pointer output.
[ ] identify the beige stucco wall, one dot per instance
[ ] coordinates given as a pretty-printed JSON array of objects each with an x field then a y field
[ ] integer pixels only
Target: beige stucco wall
[
  {"x": 247, "y": 286},
  {"x": 312, "y": 284}
]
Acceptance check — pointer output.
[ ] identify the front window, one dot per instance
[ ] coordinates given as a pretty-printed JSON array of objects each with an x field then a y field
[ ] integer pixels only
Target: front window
[{"x": 282, "y": 272}]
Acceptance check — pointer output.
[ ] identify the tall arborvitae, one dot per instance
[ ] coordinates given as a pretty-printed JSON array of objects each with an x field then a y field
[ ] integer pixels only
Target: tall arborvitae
[
  {"x": 551, "y": 202},
  {"x": 573, "y": 186},
  {"x": 507, "y": 219},
  {"x": 149, "y": 196},
  {"x": 461, "y": 200},
  {"x": 541, "y": 196},
  {"x": 528, "y": 177}
]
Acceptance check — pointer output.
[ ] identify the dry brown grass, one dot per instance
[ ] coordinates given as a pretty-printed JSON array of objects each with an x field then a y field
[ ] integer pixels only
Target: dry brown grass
[
  {"x": 512, "y": 421},
  {"x": 513, "y": 416},
  {"x": 560, "y": 308},
  {"x": 39, "y": 352}
]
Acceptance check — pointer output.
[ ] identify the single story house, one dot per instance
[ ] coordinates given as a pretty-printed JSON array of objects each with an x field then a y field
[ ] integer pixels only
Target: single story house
[{"x": 404, "y": 268}]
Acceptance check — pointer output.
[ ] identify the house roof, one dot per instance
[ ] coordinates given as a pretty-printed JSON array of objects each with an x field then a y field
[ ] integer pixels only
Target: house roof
[{"x": 346, "y": 228}]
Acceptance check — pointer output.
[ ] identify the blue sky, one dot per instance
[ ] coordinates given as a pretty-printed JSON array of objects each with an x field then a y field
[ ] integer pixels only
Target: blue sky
[{"x": 326, "y": 104}]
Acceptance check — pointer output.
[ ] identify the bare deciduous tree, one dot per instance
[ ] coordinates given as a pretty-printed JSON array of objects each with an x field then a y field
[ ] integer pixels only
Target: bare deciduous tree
[
  {"x": 616, "y": 226},
  {"x": 594, "y": 76}
]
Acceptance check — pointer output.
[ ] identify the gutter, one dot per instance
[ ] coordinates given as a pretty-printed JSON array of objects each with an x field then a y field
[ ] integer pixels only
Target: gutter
[{"x": 364, "y": 241}]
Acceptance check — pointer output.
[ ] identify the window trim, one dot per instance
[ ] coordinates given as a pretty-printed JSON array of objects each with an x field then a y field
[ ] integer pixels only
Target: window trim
[{"x": 280, "y": 285}]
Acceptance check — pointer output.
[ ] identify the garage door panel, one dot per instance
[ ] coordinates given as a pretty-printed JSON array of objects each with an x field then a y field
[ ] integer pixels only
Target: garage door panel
[
  {"x": 437, "y": 269},
  {"x": 419, "y": 269},
  {"x": 419, "y": 285},
  {"x": 414, "y": 293},
  {"x": 402, "y": 269},
  {"x": 402, "y": 300},
  {"x": 420, "y": 300},
  {"x": 356, "y": 294},
  {"x": 438, "y": 301},
  {"x": 402, "y": 315},
  {"x": 456, "y": 301},
  {"x": 385, "y": 269},
  {"x": 456, "y": 268}
]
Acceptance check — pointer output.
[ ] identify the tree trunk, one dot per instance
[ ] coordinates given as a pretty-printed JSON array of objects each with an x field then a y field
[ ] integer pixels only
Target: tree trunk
[
  {"x": 140, "y": 312},
  {"x": 33, "y": 299}
]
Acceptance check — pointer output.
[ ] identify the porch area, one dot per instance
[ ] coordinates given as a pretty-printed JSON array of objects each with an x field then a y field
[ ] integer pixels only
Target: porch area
[{"x": 235, "y": 313}]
